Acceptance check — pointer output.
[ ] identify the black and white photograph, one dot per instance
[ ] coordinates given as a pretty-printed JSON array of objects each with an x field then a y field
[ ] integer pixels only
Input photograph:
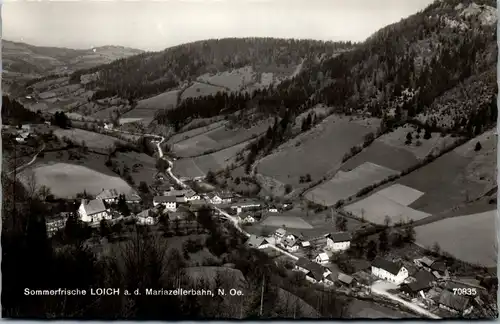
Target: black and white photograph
[{"x": 249, "y": 160}]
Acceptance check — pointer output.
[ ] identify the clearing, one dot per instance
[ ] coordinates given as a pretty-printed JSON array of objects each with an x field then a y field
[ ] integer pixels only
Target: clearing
[
  {"x": 92, "y": 140},
  {"x": 199, "y": 166},
  {"x": 347, "y": 184},
  {"x": 145, "y": 165},
  {"x": 195, "y": 132},
  {"x": 392, "y": 202},
  {"x": 471, "y": 238},
  {"x": 233, "y": 80},
  {"x": 67, "y": 180},
  {"x": 218, "y": 139},
  {"x": 147, "y": 108},
  {"x": 200, "y": 89},
  {"x": 317, "y": 151}
]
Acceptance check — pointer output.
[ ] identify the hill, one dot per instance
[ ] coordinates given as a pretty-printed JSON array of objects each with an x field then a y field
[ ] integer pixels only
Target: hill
[{"x": 22, "y": 62}]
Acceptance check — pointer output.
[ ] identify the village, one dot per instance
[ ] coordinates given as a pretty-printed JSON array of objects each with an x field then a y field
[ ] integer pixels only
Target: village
[{"x": 424, "y": 284}]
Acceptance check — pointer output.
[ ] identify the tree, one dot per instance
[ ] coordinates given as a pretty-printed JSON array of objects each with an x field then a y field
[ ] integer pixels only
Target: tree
[
  {"x": 387, "y": 221},
  {"x": 371, "y": 250},
  {"x": 409, "y": 233},
  {"x": 288, "y": 188},
  {"x": 161, "y": 165},
  {"x": 143, "y": 187},
  {"x": 383, "y": 241},
  {"x": 210, "y": 177},
  {"x": 341, "y": 223},
  {"x": 427, "y": 134},
  {"x": 408, "y": 138},
  {"x": 436, "y": 248},
  {"x": 122, "y": 205},
  {"x": 478, "y": 147},
  {"x": 308, "y": 178},
  {"x": 104, "y": 229}
]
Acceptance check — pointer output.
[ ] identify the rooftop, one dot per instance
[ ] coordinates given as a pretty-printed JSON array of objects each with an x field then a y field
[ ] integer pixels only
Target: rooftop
[
  {"x": 389, "y": 266},
  {"x": 94, "y": 206},
  {"x": 164, "y": 199},
  {"x": 108, "y": 194},
  {"x": 340, "y": 237}
]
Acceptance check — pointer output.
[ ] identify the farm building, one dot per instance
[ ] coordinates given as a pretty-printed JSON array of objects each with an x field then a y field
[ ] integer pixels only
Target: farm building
[
  {"x": 340, "y": 241},
  {"x": 169, "y": 202},
  {"x": 273, "y": 210},
  {"x": 132, "y": 198},
  {"x": 388, "y": 270},
  {"x": 322, "y": 258},
  {"x": 93, "y": 211},
  {"x": 55, "y": 223},
  {"x": 424, "y": 281},
  {"x": 226, "y": 197},
  {"x": 345, "y": 279},
  {"x": 247, "y": 204},
  {"x": 108, "y": 126},
  {"x": 290, "y": 244},
  {"x": 305, "y": 244},
  {"x": 257, "y": 242},
  {"x": 424, "y": 262},
  {"x": 246, "y": 220},
  {"x": 146, "y": 217},
  {"x": 438, "y": 266},
  {"x": 454, "y": 303},
  {"x": 314, "y": 272},
  {"x": 108, "y": 195}
]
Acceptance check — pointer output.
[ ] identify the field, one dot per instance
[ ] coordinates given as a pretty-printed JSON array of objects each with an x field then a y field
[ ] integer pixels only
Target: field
[
  {"x": 316, "y": 152},
  {"x": 200, "y": 89},
  {"x": 287, "y": 221},
  {"x": 365, "y": 309},
  {"x": 199, "y": 166},
  {"x": 392, "y": 201},
  {"x": 195, "y": 132},
  {"x": 217, "y": 139},
  {"x": 471, "y": 238},
  {"x": 234, "y": 80},
  {"x": 146, "y": 172},
  {"x": 67, "y": 180},
  {"x": 346, "y": 184},
  {"x": 92, "y": 140},
  {"x": 147, "y": 108}
]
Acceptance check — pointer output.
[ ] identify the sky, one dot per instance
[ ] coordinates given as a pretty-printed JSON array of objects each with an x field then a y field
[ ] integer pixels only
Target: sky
[{"x": 155, "y": 25}]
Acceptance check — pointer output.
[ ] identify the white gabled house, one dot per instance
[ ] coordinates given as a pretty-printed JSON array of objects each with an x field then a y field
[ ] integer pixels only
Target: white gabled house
[
  {"x": 314, "y": 272},
  {"x": 215, "y": 199},
  {"x": 93, "y": 211},
  {"x": 290, "y": 244},
  {"x": 322, "y": 258},
  {"x": 340, "y": 241},
  {"x": 387, "y": 270},
  {"x": 279, "y": 234},
  {"x": 170, "y": 202}
]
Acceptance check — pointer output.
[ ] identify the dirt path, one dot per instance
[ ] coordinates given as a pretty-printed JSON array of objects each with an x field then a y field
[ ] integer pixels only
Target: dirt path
[
  {"x": 30, "y": 162},
  {"x": 381, "y": 288}
]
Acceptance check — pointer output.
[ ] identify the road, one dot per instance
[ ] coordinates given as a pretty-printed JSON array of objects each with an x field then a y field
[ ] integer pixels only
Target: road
[
  {"x": 30, "y": 162},
  {"x": 381, "y": 288}
]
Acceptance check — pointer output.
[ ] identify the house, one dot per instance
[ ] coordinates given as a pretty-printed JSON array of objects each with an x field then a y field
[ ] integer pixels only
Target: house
[
  {"x": 322, "y": 258},
  {"x": 109, "y": 195},
  {"x": 454, "y": 303},
  {"x": 424, "y": 281},
  {"x": 132, "y": 198},
  {"x": 248, "y": 204},
  {"x": 257, "y": 242},
  {"x": 305, "y": 244},
  {"x": 26, "y": 128},
  {"x": 192, "y": 195},
  {"x": 146, "y": 217},
  {"x": 290, "y": 244},
  {"x": 314, "y": 272},
  {"x": 56, "y": 223},
  {"x": 247, "y": 220},
  {"x": 340, "y": 241},
  {"x": 169, "y": 202},
  {"x": 93, "y": 211},
  {"x": 388, "y": 270},
  {"x": 226, "y": 197},
  {"x": 280, "y": 234},
  {"x": 214, "y": 198},
  {"x": 108, "y": 126}
]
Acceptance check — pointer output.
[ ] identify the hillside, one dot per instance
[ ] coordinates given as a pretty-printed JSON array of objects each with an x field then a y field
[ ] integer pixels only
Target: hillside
[{"x": 22, "y": 62}]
